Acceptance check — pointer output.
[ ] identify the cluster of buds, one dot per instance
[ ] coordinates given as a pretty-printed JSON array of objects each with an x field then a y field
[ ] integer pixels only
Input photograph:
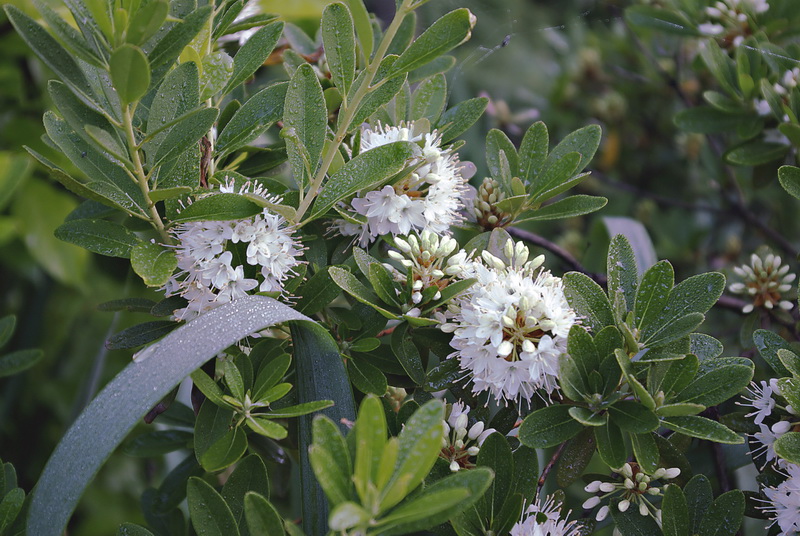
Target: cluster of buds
[
  {"x": 517, "y": 254},
  {"x": 429, "y": 264},
  {"x": 730, "y": 20},
  {"x": 634, "y": 489},
  {"x": 765, "y": 282},
  {"x": 459, "y": 444},
  {"x": 484, "y": 205}
]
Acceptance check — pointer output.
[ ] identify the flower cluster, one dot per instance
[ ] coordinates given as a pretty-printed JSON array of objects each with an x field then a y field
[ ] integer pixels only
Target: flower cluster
[
  {"x": 636, "y": 485},
  {"x": 544, "y": 520},
  {"x": 481, "y": 205},
  {"x": 730, "y": 19},
  {"x": 459, "y": 444},
  {"x": 427, "y": 198},
  {"x": 765, "y": 283},
  {"x": 208, "y": 258},
  {"x": 762, "y": 398},
  {"x": 428, "y": 264},
  {"x": 511, "y": 326},
  {"x": 784, "y": 501}
]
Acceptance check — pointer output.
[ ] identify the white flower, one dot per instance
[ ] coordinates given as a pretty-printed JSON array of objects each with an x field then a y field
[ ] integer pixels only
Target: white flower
[
  {"x": 544, "y": 520},
  {"x": 460, "y": 444},
  {"x": 767, "y": 436},
  {"x": 633, "y": 489},
  {"x": 428, "y": 198},
  {"x": 761, "y": 399},
  {"x": 209, "y": 275},
  {"x": 511, "y": 326},
  {"x": 784, "y": 501},
  {"x": 766, "y": 281}
]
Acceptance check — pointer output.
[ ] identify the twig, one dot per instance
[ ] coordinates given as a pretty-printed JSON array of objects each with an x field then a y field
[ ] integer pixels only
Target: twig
[{"x": 549, "y": 467}]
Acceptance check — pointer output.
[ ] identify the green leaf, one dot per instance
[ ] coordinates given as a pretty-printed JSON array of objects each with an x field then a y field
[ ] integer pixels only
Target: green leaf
[
  {"x": 646, "y": 451},
  {"x": 7, "y": 324},
  {"x": 140, "y": 334},
  {"x": 698, "y": 499},
  {"x": 789, "y": 177},
  {"x": 370, "y": 437},
  {"x": 132, "y": 394},
  {"x": 219, "y": 207},
  {"x": 707, "y": 120},
  {"x": 675, "y": 512},
  {"x": 790, "y": 360},
  {"x": 555, "y": 173},
  {"x": 253, "y": 118},
  {"x": 679, "y": 410},
  {"x": 338, "y": 39},
  {"x": 363, "y": 26},
  {"x": 146, "y": 22},
  {"x": 364, "y": 172},
  {"x": 497, "y": 144},
  {"x": 152, "y": 444},
  {"x": 367, "y": 378},
  {"x": 177, "y": 96},
  {"x": 496, "y": 455},
  {"x": 533, "y": 151},
  {"x": 407, "y": 353},
  {"x": 584, "y": 141},
  {"x": 98, "y": 236},
  {"x": 588, "y": 300},
  {"x": 185, "y": 134},
  {"x": 384, "y": 92},
  {"x": 330, "y": 459},
  {"x": 696, "y": 294},
  {"x": 611, "y": 445},
  {"x": 755, "y": 153},
  {"x": 169, "y": 47},
  {"x": 653, "y": 293},
  {"x": 788, "y": 447},
  {"x": 153, "y": 263},
  {"x": 442, "y": 36},
  {"x": 83, "y": 119},
  {"x": 210, "y": 515},
  {"x": 724, "y": 516},
  {"x": 575, "y": 458},
  {"x": 633, "y": 417},
  {"x": 254, "y": 53},
  {"x": 10, "y": 507},
  {"x": 320, "y": 374},
  {"x": 225, "y": 451},
  {"x": 420, "y": 442},
  {"x": 631, "y": 523},
  {"x": 663, "y": 20},
  {"x": 703, "y": 428},
  {"x": 382, "y": 283},
  {"x": 67, "y": 34},
  {"x": 622, "y": 271},
  {"x": 267, "y": 428},
  {"x": 305, "y": 115},
  {"x": 16, "y": 362},
  {"x": 350, "y": 284},
  {"x": 51, "y": 53},
  {"x": 262, "y": 518},
  {"x": 249, "y": 478},
  {"x": 429, "y": 99},
  {"x": 130, "y": 73},
  {"x": 719, "y": 380},
  {"x": 768, "y": 343},
  {"x": 569, "y": 207},
  {"x": 456, "y": 120},
  {"x": 316, "y": 293},
  {"x": 129, "y": 529},
  {"x": 548, "y": 427}
]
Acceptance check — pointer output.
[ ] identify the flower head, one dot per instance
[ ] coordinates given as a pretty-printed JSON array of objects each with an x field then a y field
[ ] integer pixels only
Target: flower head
[
  {"x": 210, "y": 274},
  {"x": 461, "y": 443},
  {"x": 511, "y": 326},
  {"x": 427, "y": 198},
  {"x": 544, "y": 520},
  {"x": 633, "y": 489},
  {"x": 731, "y": 19},
  {"x": 766, "y": 281},
  {"x": 783, "y": 501}
]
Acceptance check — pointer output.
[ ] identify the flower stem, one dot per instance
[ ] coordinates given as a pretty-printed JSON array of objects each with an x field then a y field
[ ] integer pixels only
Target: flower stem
[
  {"x": 141, "y": 176},
  {"x": 350, "y": 108}
]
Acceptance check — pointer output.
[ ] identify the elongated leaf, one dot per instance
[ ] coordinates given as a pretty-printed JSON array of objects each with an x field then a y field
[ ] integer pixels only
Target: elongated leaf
[
  {"x": 262, "y": 518},
  {"x": 703, "y": 428},
  {"x": 407, "y": 354},
  {"x": 611, "y": 445},
  {"x": 99, "y": 236},
  {"x": 178, "y": 95},
  {"x": 370, "y": 438},
  {"x": 249, "y": 477},
  {"x": 185, "y": 134},
  {"x": 622, "y": 271},
  {"x": 305, "y": 116},
  {"x": 18, "y": 361},
  {"x": 589, "y": 300},
  {"x": 131, "y": 395},
  {"x": 338, "y": 38},
  {"x": 569, "y": 207},
  {"x": 253, "y": 118},
  {"x": 442, "y": 36},
  {"x": 172, "y": 44},
  {"x": 724, "y": 517},
  {"x": 254, "y": 53},
  {"x": 363, "y": 27},
  {"x": 653, "y": 293},
  {"x": 789, "y": 177},
  {"x": 768, "y": 343},
  {"x": 350, "y": 284},
  {"x": 533, "y": 151},
  {"x": 460, "y": 117},
  {"x": 788, "y": 447},
  {"x": 219, "y": 207},
  {"x": 675, "y": 512},
  {"x": 210, "y": 515},
  {"x": 548, "y": 427},
  {"x": 659, "y": 19},
  {"x": 130, "y": 73},
  {"x": 719, "y": 380},
  {"x": 363, "y": 172},
  {"x": 429, "y": 99},
  {"x": 320, "y": 375}
]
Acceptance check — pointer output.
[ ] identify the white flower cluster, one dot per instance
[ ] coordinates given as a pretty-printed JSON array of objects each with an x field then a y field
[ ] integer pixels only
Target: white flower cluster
[
  {"x": 210, "y": 275},
  {"x": 784, "y": 501},
  {"x": 511, "y": 326},
  {"x": 765, "y": 282},
  {"x": 762, "y": 399},
  {"x": 460, "y": 445},
  {"x": 634, "y": 489},
  {"x": 730, "y": 17},
  {"x": 544, "y": 520},
  {"x": 428, "y": 198},
  {"x": 429, "y": 261}
]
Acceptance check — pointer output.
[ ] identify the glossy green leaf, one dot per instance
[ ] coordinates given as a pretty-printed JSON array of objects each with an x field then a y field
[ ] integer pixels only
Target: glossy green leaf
[
  {"x": 724, "y": 516},
  {"x": 140, "y": 334},
  {"x": 429, "y": 99},
  {"x": 675, "y": 512},
  {"x": 575, "y": 458},
  {"x": 756, "y": 153},
  {"x": 152, "y": 444},
  {"x": 350, "y": 284},
  {"x": 653, "y": 293},
  {"x": 153, "y": 263},
  {"x": 646, "y": 452},
  {"x": 219, "y": 207},
  {"x": 703, "y": 428},
  {"x": 363, "y": 26},
  {"x": 185, "y": 134},
  {"x": 98, "y": 236},
  {"x": 407, "y": 354},
  {"x": 569, "y": 207},
  {"x": 622, "y": 270},
  {"x": 611, "y": 445},
  {"x": 18, "y": 361},
  {"x": 367, "y": 378},
  {"x": 225, "y": 451},
  {"x": 383, "y": 93},
  {"x": 768, "y": 343},
  {"x": 130, "y": 73},
  {"x": 588, "y": 299},
  {"x": 261, "y": 517},
  {"x": 305, "y": 116},
  {"x": 255, "y": 116},
  {"x": 788, "y": 447},
  {"x": 442, "y": 36},
  {"x": 249, "y": 477},
  {"x": 330, "y": 459},
  {"x": 789, "y": 177},
  {"x": 254, "y": 53},
  {"x": 169, "y": 47},
  {"x": 698, "y": 499},
  {"x": 129, "y": 529},
  {"x": 456, "y": 120},
  {"x": 663, "y": 20},
  {"x": 631, "y": 523},
  {"x": 67, "y": 34},
  {"x": 719, "y": 379},
  {"x": 496, "y": 455},
  {"x": 633, "y": 417},
  {"x": 548, "y": 427},
  {"x": 338, "y": 38},
  {"x": 208, "y": 511},
  {"x": 370, "y": 438},
  {"x": 364, "y": 172}
]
